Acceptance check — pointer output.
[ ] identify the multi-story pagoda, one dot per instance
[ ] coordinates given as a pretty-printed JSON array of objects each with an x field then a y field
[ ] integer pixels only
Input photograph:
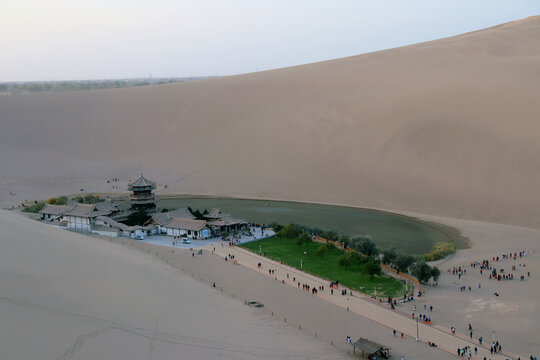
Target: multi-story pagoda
[{"x": 142, "y": 196}]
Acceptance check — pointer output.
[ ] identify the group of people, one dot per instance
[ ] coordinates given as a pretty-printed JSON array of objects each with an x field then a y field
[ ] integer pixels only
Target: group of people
[{"x": 423, "y": 317}]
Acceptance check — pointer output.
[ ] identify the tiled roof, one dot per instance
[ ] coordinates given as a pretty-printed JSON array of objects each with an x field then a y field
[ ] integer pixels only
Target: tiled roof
[
  {"x": 82, "y": 210},
  {"x": 55, "y": 209},
  {"x": 164, "y": 218},
  {"x": 106, "y": 205},
  {"x": 226, "y": 221},
  {"x": 186, "y": 224},
  {"x": 215, "y": 214}
]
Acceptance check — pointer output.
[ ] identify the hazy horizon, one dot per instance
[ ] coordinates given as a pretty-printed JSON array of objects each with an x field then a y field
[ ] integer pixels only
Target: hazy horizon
[{"x": 75, "y": 40}]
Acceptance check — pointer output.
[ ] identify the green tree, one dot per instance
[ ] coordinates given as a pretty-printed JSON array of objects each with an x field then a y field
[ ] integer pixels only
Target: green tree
[
  {"x": 403, "y": 262},
  {"x": 365, "y": 245},
  {"x": 304, "y": 238},
  {"x": 343, "y": 239},
  {"x": 373, "y": 267},
  {"x": 290, "y": 231},
  {"x": 435, "y": 273},
  {"x": 137, "y": 218},
  {"x": 423, "y": 272},
  {"x": 389, "y": 256},
  {"x": 322, "y": 250},
  {"x": 330, "y": 235}
]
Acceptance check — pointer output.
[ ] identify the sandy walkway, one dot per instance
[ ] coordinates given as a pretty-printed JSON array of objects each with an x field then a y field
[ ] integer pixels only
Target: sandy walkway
[{"x": 358, "y": 303}]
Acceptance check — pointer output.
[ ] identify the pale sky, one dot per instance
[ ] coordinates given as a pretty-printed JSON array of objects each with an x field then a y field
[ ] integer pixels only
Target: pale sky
[{"x": 101, "y": 39}]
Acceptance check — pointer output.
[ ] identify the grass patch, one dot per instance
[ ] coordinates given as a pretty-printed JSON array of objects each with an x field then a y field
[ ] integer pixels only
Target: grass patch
[
  {"x": 355, "y": 276},
  {"x": 440, "y": 251},
  {"x": 34, "y": 208}
]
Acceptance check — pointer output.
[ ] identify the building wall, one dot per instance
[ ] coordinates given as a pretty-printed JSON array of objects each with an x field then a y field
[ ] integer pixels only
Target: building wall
[
  {"x": 79, "y": 223},
  {"x": 111, "y": 232}
]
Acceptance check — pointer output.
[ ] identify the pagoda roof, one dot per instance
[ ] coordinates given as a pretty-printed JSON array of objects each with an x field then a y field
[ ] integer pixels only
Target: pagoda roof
[{"x": 141, "y": 182}]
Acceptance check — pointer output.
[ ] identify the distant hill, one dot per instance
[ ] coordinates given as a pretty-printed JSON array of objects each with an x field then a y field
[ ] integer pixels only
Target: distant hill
[
  {"x": 30, "y": 87},
  {"x": 448, "y": 127}
]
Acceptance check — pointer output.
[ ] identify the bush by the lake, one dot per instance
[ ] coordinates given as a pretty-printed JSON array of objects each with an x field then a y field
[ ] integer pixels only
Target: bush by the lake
[
  {"x": 290, "y": 231},
  {"x": 34, "y": 208},
  {"x": 61, "y": 200},
  {"x": 440, "y": 251},
  {"x": 88, "y": 199}
]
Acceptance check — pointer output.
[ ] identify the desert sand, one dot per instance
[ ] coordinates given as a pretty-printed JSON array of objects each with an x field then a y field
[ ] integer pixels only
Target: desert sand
[
  {"x": 68, "y": 296},
  {"x": 445, "y": 130},
  {"x": 448, "y": 127}
]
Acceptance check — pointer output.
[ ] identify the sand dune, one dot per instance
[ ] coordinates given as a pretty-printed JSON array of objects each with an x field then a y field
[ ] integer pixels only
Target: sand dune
[
  {"x": 102, "y": 301},
  {"x": 448, "y": 127}
]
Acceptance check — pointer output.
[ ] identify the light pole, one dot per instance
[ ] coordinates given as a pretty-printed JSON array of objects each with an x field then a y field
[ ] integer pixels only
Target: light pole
[
  {"x": 417, "y": 329},
  {"x": 375, "y": 292},
  {"x": 260, "y": 249},
  {"x": 301, "y": 267}
]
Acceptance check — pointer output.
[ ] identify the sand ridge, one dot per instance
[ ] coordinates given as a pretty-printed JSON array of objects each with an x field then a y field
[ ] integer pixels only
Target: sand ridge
[{"x": 448, "y": 127}]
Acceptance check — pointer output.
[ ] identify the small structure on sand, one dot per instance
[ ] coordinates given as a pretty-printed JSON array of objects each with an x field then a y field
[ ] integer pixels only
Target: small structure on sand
[{"x": 370, "y": 349}]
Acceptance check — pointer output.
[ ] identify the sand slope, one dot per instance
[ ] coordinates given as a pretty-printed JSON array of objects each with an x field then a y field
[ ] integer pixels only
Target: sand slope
[
  {"x": 68, "y": 296},
  {"x": 448, "y": 127}
]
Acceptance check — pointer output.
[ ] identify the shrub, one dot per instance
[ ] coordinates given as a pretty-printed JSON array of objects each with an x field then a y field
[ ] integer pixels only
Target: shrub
[
  {"x": 290, "y": 231},
  {"x": 440, "y": 251},
  {"x": 34, "y": 208},
  {"x": 275, "y": 226},
  {"x": 322, "y": 250},
  {"x": 61, "y": 200},
  {"x": 304, "y": 238}
]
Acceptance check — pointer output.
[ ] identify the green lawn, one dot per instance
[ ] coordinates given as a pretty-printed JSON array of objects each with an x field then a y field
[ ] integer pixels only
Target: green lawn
[{"x": 354, "y": 277}]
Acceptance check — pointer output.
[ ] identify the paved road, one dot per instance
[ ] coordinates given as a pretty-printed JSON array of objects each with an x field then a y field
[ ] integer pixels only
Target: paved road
[{"x": 361, "y": 304}]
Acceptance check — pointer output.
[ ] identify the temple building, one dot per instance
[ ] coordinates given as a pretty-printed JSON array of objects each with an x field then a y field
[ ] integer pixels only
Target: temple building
[
  {"x": 106, "y": 218},
  {"x": 142, "y": 196}
]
